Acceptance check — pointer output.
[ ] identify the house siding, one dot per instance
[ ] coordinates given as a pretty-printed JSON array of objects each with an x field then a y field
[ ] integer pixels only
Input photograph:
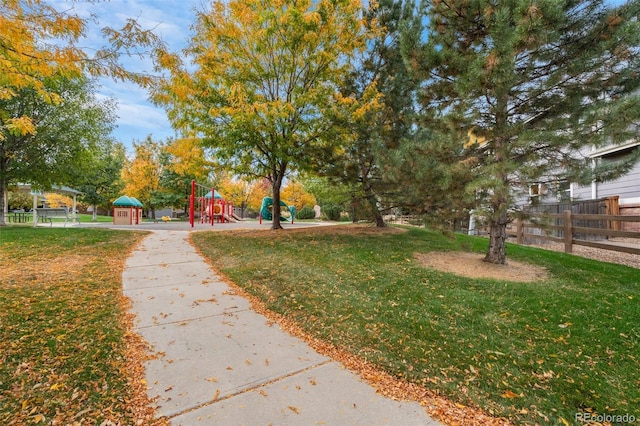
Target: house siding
[{"x": 627, "y": 186}]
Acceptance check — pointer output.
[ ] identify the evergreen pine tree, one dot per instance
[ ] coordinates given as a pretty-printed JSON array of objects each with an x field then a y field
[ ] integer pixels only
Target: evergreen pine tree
[
  {"x": 385, "y": 93},
  {"x": 527, "y": 87}
]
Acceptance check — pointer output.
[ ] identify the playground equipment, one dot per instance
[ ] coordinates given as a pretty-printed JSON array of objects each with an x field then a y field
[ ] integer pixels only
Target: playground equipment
[
  {"x": 266, "y": 210},
  {"x": 208, "y": 206},
  {"x": 220, "y": 209}
]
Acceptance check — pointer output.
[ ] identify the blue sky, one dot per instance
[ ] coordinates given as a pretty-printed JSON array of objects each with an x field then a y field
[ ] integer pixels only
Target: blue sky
[{"x": 171, "y": 20}]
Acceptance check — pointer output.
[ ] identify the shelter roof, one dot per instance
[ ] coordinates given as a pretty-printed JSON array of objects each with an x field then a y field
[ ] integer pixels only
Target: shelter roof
[
  {"x": 125, "y": 201},
  {"x": 24, "y": 187},
  {"x": 216, "y": 195}
]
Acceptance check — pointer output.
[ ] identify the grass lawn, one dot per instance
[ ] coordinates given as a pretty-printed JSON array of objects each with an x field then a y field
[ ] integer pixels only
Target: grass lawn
[
  {"x": 65, "y": 354},
  {"x": 531, "y": 352},
  {"x": 87, "y": 218}
]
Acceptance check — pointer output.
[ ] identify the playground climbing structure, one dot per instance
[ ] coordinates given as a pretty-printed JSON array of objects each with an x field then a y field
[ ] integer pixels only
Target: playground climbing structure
[
  {"x": 206, "y": 205},
  {"x": 266, "y": 210}
]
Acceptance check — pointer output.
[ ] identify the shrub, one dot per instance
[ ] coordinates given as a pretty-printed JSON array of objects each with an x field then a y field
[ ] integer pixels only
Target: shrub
[
  {"x": 306, "y": 213},
  {"x": 332, "y": 211}
]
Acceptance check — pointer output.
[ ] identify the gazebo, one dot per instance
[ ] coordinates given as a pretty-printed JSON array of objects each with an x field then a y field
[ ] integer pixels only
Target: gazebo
[
  {"x": 38, "y": 194},
  {"x": 127, "y": 211}
]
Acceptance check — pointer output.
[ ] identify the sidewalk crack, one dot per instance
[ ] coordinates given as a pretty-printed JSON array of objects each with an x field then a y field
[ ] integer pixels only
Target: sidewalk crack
[{"x": 249, "y": 389}]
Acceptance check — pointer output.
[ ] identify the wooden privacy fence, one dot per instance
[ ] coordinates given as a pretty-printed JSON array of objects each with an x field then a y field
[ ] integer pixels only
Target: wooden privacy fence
[{"x": 580, "y": 229}]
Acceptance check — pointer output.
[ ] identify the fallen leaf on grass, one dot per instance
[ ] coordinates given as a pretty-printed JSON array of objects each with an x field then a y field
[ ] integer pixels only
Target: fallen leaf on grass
[
  {"x": 510, "y": 395},
  {"x": 57, "y": 386}
]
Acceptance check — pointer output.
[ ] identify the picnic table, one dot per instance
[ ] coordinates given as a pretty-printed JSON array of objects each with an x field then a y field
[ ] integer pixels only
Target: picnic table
[{"x": 18, "y": 217}]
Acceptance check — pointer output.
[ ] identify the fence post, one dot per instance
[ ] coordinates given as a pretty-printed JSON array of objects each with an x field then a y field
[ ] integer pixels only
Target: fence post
[
  {"x": 568, "y": 231},
  {"x": 519, "y": 231}
]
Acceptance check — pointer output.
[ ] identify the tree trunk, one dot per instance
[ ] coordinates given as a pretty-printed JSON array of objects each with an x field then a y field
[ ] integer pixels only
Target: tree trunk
[
  {"x": 95, "y": 213},
  {"x": 275, "y": 187},
  {"x": 370, "y": 195},
  {"x": 497, "y": 253},
  {"x": 354, "y": 209},
  {"x": 375, "y": 211},
  {"x": 2, "y": 198},
  {"x": 500, "y": 198}
]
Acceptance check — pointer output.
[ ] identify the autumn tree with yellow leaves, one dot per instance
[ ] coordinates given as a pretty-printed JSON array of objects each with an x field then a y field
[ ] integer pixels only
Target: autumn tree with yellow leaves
[
  {"x": 295, "y": 194},
  {"x": 235, "y": 191},
  {"x": 263, "y": 76},
  {"x": 182, "y": 161},
  {"x": 258, "y": 189},
  {"x": 141, "y": 174},
  {"x": 38, "y": 49}
]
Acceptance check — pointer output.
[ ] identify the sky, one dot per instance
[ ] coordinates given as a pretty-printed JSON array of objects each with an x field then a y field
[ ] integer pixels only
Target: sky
[{"x": 171, "y": 20}]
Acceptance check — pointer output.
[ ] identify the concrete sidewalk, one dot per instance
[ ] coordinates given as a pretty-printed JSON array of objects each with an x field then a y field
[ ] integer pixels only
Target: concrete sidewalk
[{"x": 221, "y": 363}]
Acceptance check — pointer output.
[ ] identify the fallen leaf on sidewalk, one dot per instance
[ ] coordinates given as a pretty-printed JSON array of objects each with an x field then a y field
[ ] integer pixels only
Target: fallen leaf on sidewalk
[{"x": 294, "y": 409}]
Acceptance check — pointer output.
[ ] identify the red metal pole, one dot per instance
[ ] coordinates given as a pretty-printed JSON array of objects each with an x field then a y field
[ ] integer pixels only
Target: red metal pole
[
  {"x": 213, "y": 205},
  {"x": 202, "y": 203},
  {"x": 192, "y": 202}
]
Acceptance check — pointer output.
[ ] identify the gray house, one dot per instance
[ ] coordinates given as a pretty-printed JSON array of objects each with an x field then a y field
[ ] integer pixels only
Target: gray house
[
  {"x": 620, "y": 196},
  {"x": 627, "y": 187}
]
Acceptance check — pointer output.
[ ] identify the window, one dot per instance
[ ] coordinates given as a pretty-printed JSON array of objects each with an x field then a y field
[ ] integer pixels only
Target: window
[{"x": 534, "y": 193}]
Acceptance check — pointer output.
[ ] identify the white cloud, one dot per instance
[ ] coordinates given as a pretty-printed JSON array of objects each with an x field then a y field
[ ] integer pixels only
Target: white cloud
[{"x": 137, "y": 117}]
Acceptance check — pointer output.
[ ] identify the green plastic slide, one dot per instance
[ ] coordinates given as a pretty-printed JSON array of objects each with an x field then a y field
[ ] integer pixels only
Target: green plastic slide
[{"x": 265, "y": 209}]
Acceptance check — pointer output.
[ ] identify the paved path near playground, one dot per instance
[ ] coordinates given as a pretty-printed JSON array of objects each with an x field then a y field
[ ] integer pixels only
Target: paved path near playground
[{"x": 219, "y": 362}]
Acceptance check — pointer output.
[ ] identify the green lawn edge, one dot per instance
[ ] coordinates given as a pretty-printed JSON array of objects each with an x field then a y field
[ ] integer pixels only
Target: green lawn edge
[
  {"x": 63, "y": 351},
  {"x": 542, "y": 352}
]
